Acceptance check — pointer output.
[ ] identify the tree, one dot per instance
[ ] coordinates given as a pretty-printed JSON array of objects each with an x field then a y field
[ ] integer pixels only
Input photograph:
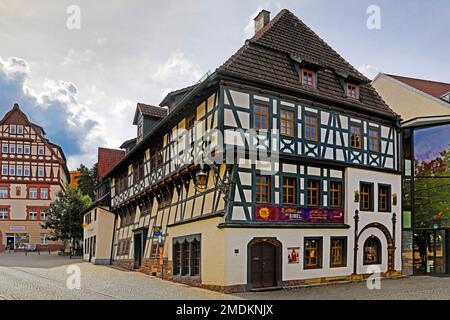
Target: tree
[
  {"x": 88, "y": 180},
  {"x": 66, "y": 218}
]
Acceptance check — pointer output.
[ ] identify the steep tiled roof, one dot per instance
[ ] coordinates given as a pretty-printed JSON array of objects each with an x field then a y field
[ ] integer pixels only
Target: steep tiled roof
[
  {"x": 272, "y": 53},
  {"x": 433, "y": 88},
  {"x": 152, "y": 111},
  {"x": 107, "y": 159}
]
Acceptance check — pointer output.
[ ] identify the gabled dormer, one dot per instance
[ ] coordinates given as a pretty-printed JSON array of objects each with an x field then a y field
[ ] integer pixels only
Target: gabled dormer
[{"x": 145, "y": 118}]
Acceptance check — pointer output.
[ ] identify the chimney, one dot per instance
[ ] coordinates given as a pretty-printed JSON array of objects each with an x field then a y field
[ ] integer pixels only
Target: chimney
[{"x": 261, "y": 20}]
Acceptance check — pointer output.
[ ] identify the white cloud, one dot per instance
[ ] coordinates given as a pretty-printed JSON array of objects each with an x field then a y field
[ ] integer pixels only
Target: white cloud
[
  {"x": 67, "y": 122},
  {"x": 369, "y": 71},
  {"x": 75, "y": 57},
  {"x": 177, "y": 65}
]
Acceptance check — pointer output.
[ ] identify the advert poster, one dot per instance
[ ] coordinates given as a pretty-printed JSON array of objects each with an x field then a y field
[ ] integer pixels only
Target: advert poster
[
  {"x": 293, "y": 255},
  {"x": 294, "y": 214}
]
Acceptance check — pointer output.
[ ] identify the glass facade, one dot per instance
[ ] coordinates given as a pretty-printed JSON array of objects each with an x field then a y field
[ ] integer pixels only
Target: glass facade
[
  {"x": 432, "y": 177},
  {"x": 426, "y": 196}
]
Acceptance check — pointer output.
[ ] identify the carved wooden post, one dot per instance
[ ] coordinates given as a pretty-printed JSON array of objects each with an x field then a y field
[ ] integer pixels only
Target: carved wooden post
[
  {"x": 392, "y": 248},
  {"x": 355, "y": 248}
]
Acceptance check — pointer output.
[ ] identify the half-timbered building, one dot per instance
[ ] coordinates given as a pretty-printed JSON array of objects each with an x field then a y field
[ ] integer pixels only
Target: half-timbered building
[
  {"x": 33, "y": 171},
  {"x": 320, "y": 206}
]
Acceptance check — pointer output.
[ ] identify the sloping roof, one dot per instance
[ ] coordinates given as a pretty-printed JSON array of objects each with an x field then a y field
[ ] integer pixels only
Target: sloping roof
[
  {"x": 41, "y": 133},
  {"x": 108, "y": 158},
  {"x": 433, "y": 88},
  {"x": 149, "y": 111},
  {"x": 173, "y": 94},
  {"x": 126, "y": 143},
  {"x": 272, "y": 53}
]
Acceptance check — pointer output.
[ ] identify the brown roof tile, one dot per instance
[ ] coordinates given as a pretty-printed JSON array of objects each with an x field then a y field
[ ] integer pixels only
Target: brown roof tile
[
  {"x": 267, "y": 56},
  {"x": 152, "y": 111},
  {"x": 107, "y": 159}
]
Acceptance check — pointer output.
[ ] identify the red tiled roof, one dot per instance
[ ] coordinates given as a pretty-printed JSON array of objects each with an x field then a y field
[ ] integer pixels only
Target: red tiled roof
[
  {"x": 433, "y": 88},
  {"x": 107, "y": 159},
  {"x": 270, "y": 56},
  {"x": 152, "y": 111}
]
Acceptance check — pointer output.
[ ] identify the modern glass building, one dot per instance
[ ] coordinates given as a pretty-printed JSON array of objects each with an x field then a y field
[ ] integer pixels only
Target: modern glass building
[
  {"x": 426, "y": 195},
  {"x": 425, "y": 111}
]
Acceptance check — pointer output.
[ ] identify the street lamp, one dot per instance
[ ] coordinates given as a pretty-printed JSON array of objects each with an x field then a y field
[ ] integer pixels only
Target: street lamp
[
  {"x": 222, "y": 184},
  {"x": 201, "y": 181}
]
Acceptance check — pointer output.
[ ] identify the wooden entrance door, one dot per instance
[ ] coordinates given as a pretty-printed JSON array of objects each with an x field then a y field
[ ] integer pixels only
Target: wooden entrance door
[
  {"x": 263, "y": 265},
  {"x": 137, "y": 250}
]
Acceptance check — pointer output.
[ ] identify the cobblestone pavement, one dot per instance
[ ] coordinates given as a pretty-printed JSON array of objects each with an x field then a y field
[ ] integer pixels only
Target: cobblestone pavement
[
  {"x": 44, "y": 278},
  {"x": 410, "y": 288}
]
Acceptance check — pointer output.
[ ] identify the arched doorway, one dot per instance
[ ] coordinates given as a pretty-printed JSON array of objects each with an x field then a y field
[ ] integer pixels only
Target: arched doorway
[
  {"x": 264, "y": 263},
  {"x": 390, "y": 245}
]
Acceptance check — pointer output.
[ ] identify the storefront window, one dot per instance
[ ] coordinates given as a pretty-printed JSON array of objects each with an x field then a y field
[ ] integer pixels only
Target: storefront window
[
  {"x": 313, "y": 253},
  {"x": 432, "y": 177},
  {"x": 372, "y": 251},
  {"x": 338, "y": 253}
]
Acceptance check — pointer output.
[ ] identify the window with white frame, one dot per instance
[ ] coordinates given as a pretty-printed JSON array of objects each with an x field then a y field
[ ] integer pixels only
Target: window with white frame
[
  {"x": 41, "y": 172},
  {"x": 4, "y": 169},
  {"x": 19, "y": 149},
  {"x": 4, "y": 192},
  {"x": 44, "y": 238},
  {"x": 32, "y": 193},
  {"x": 26, "y": 149},
  {"x": 4, "y": 148},
  {"x": 44, "y": 193},
  {"x": 12, "y": 148},
  {"x": 4, "y": 214},
  {"x": 44, "y": 215},
  {"x": 12, "y": 170},
  {"x": 19, "y": 170},
  {"x": 32, "y": 214},
  {"x": 12, "y": 129},
  {"x": 19, "y": 129},
  {"x": 41, "y": 150},
  {"x": 26, "y": 171}
]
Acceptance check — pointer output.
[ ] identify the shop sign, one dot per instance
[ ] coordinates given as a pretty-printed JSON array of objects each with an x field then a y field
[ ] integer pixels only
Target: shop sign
[
  {"x": 16, "y": 228},
  {"x": 294, "y": 214},
  {"x": 157, "y": 231}
]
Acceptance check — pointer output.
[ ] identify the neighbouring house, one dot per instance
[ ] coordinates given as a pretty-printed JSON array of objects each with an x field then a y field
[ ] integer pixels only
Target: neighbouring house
[
  {"x": 97, "y": 241},
  {"x": 320, "y": 203},
  {"x": 33, "y": 171},
  {"x": 424, "y": 106}
]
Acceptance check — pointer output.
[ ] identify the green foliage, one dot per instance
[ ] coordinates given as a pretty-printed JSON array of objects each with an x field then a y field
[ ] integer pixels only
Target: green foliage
[
  {"x": 66, "y": 216},
  {"x": 432, "y": 192},
  {"x": 88, "y": 180}
]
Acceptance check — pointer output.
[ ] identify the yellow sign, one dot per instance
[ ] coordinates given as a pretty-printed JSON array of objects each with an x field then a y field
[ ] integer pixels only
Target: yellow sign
[{"x": 264, "y": 212}]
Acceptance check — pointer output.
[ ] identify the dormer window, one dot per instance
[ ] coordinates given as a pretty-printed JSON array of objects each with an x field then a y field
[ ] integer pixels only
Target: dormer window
[
  {"x": 352, "y": 91},
  {"x": 308, "y": 78}
]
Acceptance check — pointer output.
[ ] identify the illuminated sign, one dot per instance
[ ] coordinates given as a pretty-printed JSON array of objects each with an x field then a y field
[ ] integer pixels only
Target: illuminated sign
[{"x": 294, "y": 214}]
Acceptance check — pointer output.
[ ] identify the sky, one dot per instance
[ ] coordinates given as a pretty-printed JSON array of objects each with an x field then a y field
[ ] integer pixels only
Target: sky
[{"x": 82, "y": 84}]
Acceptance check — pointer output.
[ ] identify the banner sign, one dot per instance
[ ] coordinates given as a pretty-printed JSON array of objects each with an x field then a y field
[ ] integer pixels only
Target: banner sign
[{"x": 294, "y": 214}]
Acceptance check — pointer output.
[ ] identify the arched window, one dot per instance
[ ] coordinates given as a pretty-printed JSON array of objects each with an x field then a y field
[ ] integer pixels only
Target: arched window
[{"x": 372, "y": 251}]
